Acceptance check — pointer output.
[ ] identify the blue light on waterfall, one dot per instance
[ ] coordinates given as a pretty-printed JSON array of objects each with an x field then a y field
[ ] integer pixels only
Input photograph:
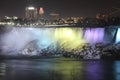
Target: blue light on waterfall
[
  {"x": 44, "y": 37},
  {"x": 118, "y": 36},
  {"x": 44, "y": 43}
]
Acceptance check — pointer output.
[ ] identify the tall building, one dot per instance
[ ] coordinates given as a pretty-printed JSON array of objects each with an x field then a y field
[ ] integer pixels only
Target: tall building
[
  {"x": 41, "y": 12},
  {"x": 30, "y": 10}
]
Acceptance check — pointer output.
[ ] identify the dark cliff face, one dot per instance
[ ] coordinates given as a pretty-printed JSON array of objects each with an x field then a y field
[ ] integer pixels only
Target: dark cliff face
[{"x": 5, "y": 29}]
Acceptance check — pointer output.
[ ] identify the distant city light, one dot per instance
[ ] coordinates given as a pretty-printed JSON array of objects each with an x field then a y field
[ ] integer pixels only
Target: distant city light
[{"x": 31, "y": 8}]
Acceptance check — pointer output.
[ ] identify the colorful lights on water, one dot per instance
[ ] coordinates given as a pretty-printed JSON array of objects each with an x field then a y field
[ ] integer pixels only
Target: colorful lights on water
[
  {"x": 117, "y": 70},
  {"x": 92, "y": 68}
]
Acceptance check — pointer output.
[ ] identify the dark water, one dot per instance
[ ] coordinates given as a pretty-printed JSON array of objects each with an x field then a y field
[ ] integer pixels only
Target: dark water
[{"x": 59, "y": 69}]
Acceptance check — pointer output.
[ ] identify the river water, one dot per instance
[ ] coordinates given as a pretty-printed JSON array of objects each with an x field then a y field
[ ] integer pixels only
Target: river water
[{"x": 59, "y": 69}]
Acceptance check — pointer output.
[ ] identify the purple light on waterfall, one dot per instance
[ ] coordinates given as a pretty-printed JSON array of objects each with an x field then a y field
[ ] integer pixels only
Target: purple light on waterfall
[{"x": 94, "y": 35}]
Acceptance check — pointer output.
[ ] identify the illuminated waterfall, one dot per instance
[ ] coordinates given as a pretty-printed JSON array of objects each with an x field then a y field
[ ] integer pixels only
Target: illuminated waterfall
[{"x": 52, "y": 38}]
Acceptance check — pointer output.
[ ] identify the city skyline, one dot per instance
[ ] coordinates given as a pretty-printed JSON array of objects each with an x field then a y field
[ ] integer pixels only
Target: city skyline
[{"x": 65, "y": 8}]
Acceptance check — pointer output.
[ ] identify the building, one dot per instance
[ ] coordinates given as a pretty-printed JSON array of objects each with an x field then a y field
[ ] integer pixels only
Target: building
[
  {"x": 54, "y": 16},
  {"x": 31, "y": 13},
  {"x": 41, "y": 12}
]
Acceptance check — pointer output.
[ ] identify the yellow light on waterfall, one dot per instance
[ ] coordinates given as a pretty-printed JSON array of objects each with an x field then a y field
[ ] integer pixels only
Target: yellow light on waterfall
[
  {"x": 69, "y": 38},
  {"x": 69, "y": 33}
]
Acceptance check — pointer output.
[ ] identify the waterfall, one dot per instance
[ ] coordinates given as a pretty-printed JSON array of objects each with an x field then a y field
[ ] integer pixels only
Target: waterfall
[{"x": 52, "y": 38}]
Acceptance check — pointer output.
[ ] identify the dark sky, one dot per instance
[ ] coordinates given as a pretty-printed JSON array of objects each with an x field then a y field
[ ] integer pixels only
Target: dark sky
[{"x": 66, "y": 8}]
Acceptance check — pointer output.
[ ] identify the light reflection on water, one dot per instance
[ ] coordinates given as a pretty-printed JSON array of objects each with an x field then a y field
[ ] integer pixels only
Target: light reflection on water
[
  {"x": 94, "y": 70},
  {"x": 59, "y": 69},
  {"x": 2, "y": 69},
  {"x": 117, "y": 70}
]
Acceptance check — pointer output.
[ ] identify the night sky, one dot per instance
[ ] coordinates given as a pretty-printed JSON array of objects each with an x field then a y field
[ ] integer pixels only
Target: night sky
[{"x": 66, "y": 8}]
